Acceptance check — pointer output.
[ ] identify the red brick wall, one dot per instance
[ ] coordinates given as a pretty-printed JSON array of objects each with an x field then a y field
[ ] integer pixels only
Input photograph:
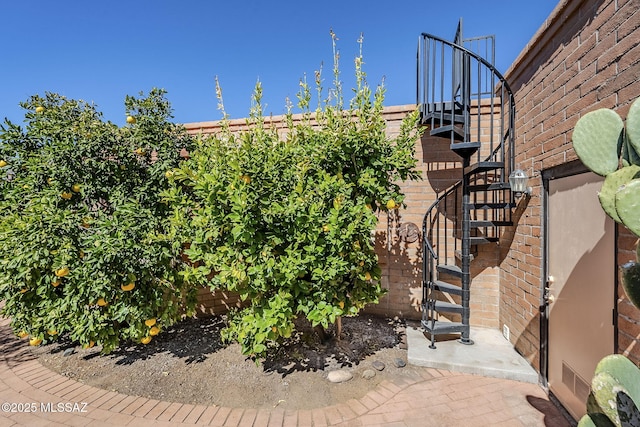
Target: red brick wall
[{"x": 585, "y": 56}]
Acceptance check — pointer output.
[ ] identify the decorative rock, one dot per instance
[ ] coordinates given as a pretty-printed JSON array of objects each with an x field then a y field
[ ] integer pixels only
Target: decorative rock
[
  {"x": 368, "y": 374},
  {"x": 378, "y": 365},
  {"x": 339, "y": 376},
  {"x": 400, "y": 363},
  {"x": 68, "y": 352}
]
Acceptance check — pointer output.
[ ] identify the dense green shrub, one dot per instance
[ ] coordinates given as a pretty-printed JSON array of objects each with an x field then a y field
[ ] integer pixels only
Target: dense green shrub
[
  {"x": 82, "y": 224},
  {"x": 287, "y": 218}
]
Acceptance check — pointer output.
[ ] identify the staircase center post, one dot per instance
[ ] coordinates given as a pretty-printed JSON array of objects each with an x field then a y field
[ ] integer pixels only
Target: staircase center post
[{"x": 466, "y": 252}]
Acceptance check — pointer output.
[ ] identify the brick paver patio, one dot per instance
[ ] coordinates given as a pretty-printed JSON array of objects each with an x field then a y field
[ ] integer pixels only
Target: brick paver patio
[{"x": 433, "y": 398}]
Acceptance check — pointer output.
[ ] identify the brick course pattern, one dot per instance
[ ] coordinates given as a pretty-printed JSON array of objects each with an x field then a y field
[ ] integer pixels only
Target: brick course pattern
[{"x": 584, "y": 57}]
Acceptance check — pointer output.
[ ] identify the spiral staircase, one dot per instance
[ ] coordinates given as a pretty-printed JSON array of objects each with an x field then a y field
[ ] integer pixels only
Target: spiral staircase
[{"x": 466, "y": 102}]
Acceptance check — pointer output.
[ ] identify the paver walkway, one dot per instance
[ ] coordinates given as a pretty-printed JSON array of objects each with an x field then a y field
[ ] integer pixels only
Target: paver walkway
[{"x": 32, "y": 395}]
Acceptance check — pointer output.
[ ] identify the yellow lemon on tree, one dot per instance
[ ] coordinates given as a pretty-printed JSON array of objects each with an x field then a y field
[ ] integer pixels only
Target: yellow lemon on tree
[
  {"x": 128, "y": 287},
  {"x": 49, "y": 181},
  {"x": 274, "y": 329},
  {"x": 62, "y": 272},
  {"x": 325, "y": 228},
  {"x": 52, "y": 332},
  {"x": 146, "y": 340},
  {"x": 76, "y": 188},
  {"x": 66, "y": 195},
  {"x": 23, "y": 334},
  {"x": 391, "y": 204},
  {"x": 168, "y": 174},
  {"x": 131, "y": 120},
  {"x": 3, "y": 163},
  {"x": 150, "y": 322},
  {"x": 23, "y": 290},
  {"x": 154, "y": 331},
  {"x": 140, "y": 151},
  {"x": 35, "y": 341},
  {"x": 367, "y": 276},
  {"x": 91, "y": 344},
  {"x": 245, "y": 178},
  {"x": 39, "y": 109},
  {"x": 101, "y": 302},
  {"x": 341, "y": 304},
  {"x": 56, "y": 283}
]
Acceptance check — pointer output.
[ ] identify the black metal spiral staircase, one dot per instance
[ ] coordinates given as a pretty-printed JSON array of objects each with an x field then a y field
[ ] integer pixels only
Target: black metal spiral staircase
[{"x": 464, "y": 99}]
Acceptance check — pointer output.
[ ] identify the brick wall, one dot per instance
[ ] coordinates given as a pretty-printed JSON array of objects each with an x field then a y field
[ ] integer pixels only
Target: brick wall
[
  {"x": 585, "y": 56},
  {"x": 398, "y": 249}
]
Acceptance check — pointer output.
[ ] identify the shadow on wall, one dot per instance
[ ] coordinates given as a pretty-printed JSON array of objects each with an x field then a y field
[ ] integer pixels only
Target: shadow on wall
[
  {"x": 506, "y": 239},
  {"x": 400, "y": 258},
  {"x": 443, "y": 166}
]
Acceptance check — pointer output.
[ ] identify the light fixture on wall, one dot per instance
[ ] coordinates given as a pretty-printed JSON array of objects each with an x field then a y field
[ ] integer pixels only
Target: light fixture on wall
[{"x": 518, "y": 181}]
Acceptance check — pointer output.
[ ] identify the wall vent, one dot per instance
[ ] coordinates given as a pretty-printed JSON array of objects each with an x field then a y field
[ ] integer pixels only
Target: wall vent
[{"x": 578, "y": 386}]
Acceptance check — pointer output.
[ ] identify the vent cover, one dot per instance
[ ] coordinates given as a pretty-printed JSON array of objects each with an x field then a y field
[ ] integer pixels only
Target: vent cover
[{"x": 578, "y": 386}]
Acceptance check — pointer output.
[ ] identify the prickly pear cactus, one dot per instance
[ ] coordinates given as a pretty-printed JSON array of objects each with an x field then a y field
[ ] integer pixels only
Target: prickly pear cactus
[
  {"x": 605, "y": 146},
  {"x": 628, "y": 205},
  {"x": 597, "y": 140},
  {"x": 615, "y": 389},
  {"x": 610, "y": 187},
  {"x": 630, "y": 280}
]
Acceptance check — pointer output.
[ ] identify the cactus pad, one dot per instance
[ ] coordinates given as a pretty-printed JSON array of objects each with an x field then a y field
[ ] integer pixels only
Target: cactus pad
[
  {"x": 629, "y": 155},
  {"x": 595, "y": 420},
  {"x": 597, "y": 140},
  {"x": 633, "y": 125},
  {"x": 628, "y": 205},
  {"x": 612, "y": 183},
  {"x": 616, "y": 388},
  {"x": 631, "y": 281}
]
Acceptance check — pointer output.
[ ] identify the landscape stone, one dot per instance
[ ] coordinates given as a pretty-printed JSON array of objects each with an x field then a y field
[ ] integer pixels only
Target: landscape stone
[
  {"x": 368, "y": 374},
  {"x": 400, "y": 363},
  {"x": 378, "y": 365},
  {"x": 339, "y": 376}
]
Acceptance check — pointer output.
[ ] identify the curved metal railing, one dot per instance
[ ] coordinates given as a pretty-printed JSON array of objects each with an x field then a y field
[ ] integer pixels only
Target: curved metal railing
[{"x": 462, "y": 90}]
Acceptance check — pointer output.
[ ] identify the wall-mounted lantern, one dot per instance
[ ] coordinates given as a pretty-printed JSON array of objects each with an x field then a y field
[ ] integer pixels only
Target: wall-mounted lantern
[{"x": 518, "y": 181}]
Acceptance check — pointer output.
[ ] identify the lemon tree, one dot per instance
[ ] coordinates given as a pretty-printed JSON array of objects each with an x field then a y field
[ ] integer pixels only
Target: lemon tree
[
  {"x": 83, "y": 250},
  {"x": 286, "y": 218}
]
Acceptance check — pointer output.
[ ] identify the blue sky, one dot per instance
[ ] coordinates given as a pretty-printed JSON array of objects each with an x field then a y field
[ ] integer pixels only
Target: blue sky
[{"x": 101, "y": 51}]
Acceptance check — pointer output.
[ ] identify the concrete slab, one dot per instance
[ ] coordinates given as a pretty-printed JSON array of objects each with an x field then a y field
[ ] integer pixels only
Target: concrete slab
[{"x": 491, "y": 355}]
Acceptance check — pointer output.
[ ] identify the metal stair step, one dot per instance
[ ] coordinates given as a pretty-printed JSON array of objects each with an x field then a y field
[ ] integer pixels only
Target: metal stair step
[
  {"x": 447, "y": 307},
  {"x": 483, "y": 167},
  {"x": 448, "y": 131},
  {"x": 482, "y": 240},
  {"x": 437, "y": 117},
  {"x": 465, "y": 149},
  {"x": 452, "y": 270},
  {"x": 485, "y": 205},
  {"x": 494, "y": 186},
  {"x": 449, "y": 288},
  {"x": 441, "y": 327},
  {"x": 475, "y": 223}
]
